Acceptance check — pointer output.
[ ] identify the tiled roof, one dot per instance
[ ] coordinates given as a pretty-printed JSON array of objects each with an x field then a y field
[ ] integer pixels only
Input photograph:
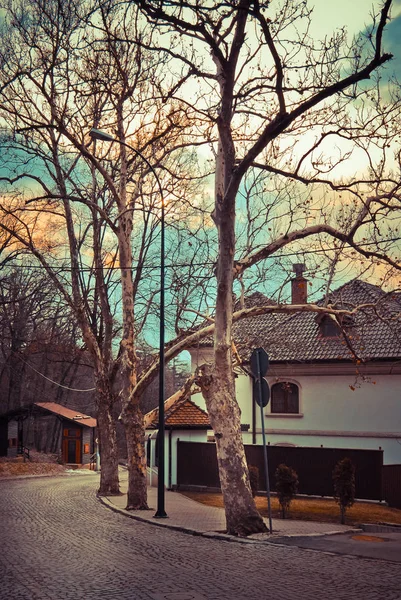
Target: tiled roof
[
  {"x": 182, "y": 414},
  {"x": 67, "y": 413},
  {"x": 254, "y": 299},
  {"x": 373, "y": 333}
]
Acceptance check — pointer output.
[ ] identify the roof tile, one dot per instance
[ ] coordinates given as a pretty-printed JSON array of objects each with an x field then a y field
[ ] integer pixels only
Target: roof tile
[
  {"x": 375, "y": 333},
  {"x": 181, "y": 414}
]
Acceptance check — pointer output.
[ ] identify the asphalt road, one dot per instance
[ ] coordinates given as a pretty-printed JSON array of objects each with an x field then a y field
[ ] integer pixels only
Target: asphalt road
[
  {"x": 58, "y": 542},
  {"x": 379, "y": 546}
]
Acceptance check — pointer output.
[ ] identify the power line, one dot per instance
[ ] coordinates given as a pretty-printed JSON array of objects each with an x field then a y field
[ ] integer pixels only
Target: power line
[
  {"x": 65, "y": 387},
  {"x": 200, "y": 264}
]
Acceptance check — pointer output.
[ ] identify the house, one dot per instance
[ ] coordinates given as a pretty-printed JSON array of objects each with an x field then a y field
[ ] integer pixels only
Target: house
[
  {"x": 183, "y": 420},
  {"x": 50, "y": 427},
  {"x": 334, "y": 383}
]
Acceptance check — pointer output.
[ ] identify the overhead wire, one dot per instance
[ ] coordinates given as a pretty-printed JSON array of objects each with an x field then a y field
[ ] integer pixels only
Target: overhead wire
[
  {"x": 65, "y": 387},
  {"x": 200, "y": 264}
]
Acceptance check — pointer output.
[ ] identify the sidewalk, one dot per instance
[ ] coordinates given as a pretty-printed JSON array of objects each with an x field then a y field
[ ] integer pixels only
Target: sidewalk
[{"x": 185, "y": 514}]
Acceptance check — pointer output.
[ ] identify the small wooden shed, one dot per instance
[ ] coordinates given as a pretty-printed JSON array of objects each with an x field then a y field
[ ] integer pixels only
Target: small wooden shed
[{"x": 53, "y": 428}]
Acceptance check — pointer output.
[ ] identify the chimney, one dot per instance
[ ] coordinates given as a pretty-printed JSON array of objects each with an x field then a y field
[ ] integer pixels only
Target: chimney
[{"x": 299, "y": 285}]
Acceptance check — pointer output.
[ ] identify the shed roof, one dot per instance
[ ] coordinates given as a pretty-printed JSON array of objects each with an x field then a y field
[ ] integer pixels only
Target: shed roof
[{"x": 67, "y": 413}]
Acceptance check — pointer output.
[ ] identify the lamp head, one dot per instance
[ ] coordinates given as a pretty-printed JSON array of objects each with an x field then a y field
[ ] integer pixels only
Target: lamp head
[{"x": 98, "y": 134}]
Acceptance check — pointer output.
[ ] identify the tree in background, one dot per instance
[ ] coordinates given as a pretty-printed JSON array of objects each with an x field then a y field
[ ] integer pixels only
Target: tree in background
[
  {"x": 40, "y": 354},
  {"x": 344, "y": 485},
  {"x": 89, "y": 213},
  {"x": 269, "y": 98}
]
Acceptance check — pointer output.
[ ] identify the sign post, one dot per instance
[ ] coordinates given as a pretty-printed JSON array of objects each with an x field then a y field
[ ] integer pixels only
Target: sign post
[{"x": 259, "y": 367}]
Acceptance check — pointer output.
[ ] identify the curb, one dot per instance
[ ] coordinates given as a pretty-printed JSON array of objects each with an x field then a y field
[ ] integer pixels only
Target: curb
[
  {"x": 14, "y": 477},
  {"x": 37, "y": 475},
  {"x": 381, "y": 527},
  {"x": 213, "y": 534}
]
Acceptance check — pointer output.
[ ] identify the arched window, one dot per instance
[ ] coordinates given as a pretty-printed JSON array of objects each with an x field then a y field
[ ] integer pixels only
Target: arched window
[{"x": 285, "y": 398}]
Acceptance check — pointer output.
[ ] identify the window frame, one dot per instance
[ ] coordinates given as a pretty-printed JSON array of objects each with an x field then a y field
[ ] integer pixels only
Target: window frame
[{"x": 286, "y": 413}]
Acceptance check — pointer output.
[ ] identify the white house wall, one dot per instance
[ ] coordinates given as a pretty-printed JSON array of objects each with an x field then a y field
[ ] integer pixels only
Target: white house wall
[
  {"x": 331, "y": 413},
  {"x": 184, "y": 435},
  {"x": 12, "y": 435}
]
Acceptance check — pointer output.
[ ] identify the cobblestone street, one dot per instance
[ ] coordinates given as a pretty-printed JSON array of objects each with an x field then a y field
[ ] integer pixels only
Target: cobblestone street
[{"x": 58, "y": 542}]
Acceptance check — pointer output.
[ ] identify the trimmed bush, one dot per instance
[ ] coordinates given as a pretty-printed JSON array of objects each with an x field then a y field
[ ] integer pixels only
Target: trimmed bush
[
  {"x": 253, "y": 479},
  {"x": 286, "y": 487},
  {"x": 344, "y": 485}
]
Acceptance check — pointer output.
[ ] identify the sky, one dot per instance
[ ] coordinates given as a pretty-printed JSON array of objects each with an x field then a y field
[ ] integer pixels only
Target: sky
[
  {"x": 355, "y": 14},
  {"x": 329, "y": 16}
]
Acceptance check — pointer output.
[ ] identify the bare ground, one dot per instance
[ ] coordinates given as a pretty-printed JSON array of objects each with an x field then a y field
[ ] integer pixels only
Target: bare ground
[{"x": 324, "y": 510}]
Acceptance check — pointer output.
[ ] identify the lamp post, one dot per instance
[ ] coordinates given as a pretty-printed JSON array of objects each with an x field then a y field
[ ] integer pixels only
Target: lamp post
[{"x": 98, "y": 134}]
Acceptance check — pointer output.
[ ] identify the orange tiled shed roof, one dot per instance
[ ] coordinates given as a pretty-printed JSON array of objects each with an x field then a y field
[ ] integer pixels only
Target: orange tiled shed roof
[
  {"x": 182, "y": 415},
  {"x": 67, "y": 413}
]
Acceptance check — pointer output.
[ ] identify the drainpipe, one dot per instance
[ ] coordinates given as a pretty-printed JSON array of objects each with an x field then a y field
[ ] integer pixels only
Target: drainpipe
[
  {"x": 253, "y": 421},
  {"x": 170, "y": 432},
  {"x": 97, "y": 455}
]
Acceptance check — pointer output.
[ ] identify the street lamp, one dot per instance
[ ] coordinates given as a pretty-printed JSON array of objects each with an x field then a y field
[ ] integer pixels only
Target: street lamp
[{"x": 98, "y": 134}]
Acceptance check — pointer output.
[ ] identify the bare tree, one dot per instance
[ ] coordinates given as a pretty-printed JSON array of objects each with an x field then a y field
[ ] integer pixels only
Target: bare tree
[
  {"x": 39, "y": 341},
  {"x": 267, "y": 90},
  {"x": 89, "y": 213},
  {"x": 270, "y": 98}
]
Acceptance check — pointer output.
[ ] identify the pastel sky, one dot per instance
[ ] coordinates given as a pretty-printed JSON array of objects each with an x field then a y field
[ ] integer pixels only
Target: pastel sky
[{"x": 329, "y": 16}]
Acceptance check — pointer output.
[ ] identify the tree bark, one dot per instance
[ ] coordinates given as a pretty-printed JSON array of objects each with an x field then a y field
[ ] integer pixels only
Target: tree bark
[
  {"x": 217, "y": 383},
  {"x": 132, "y": 419},
  {"x": 242, "y": 516},
  {"x": 109, "y": 484}
]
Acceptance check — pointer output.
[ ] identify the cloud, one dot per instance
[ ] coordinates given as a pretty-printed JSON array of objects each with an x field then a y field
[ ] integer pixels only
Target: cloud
[{"x": 392, "y": 43}]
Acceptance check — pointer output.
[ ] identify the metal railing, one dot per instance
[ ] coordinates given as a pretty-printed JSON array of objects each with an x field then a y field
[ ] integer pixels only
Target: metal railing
[{"x": 23, "y": 451}]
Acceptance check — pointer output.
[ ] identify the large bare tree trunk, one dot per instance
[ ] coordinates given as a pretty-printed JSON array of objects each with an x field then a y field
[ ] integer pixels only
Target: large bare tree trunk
[
  {"x": 218, "y": 390},
  {"x": 131, "y": 414},
  {"x": 109, "y": 484},
  {"x": 217, "y": 382},
  {"x": 132, "y": 419}
]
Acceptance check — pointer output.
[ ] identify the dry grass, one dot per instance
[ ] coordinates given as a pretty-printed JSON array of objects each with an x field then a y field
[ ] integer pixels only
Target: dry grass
[
  {"x": 314, "y": 509},
  {"x": 17, "y": 468}
]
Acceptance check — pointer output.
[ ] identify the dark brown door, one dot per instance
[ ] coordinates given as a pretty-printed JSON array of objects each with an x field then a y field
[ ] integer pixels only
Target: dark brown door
[{"x": 72, "y": 445}]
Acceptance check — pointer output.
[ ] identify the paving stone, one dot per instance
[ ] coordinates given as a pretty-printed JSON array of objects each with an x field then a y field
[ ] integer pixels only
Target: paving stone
[{"x": 59, "y": 543}]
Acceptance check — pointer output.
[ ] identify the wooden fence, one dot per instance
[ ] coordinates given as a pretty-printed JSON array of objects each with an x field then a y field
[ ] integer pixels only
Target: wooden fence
[
  {"x": 197, "y": 466},
  {"x": 392, "y": 485}
]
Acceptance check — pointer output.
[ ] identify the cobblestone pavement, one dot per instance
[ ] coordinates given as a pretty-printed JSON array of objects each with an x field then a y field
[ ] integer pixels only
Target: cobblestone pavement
[
  {"x": 59, "y": 543},
  {"x": 193, "y": 516}
]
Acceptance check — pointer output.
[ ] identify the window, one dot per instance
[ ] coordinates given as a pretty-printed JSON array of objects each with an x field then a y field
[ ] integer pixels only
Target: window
[
  {"x": 329, "y": 327},
  {"x": 285, "y": 398}
]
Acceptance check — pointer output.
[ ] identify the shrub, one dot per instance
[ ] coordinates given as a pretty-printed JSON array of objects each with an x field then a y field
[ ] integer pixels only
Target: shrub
[
  {"x": 344, "y": 485},
  {"x": 253, "y": 478},
  {"x": 286, "y": 487}
]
